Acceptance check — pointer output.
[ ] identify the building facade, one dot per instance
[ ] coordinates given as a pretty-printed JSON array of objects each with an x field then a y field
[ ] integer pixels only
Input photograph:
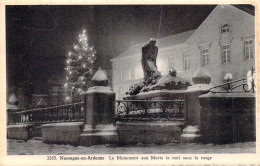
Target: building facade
[{"x": 223, "y": 44}]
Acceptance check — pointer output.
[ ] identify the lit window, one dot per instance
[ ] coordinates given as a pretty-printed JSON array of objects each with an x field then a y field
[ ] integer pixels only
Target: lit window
[
  {"x": 205, "y": 57},
  {"x": 225, "y": 28},
  {"x": 249, "y": 49},
  {"x": 225, "y": 53},
  {"x": 187, "y": 62},
  {"x": 132, "y": 73},
  {"x": 171, "y": 62}
]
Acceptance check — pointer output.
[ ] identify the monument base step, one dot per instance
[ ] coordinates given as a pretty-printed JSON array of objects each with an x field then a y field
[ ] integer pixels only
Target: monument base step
[
  {"x": 101, "y": 134},
  {"x": 155, "y": 132},
  {"x": 191, "y": 134}
]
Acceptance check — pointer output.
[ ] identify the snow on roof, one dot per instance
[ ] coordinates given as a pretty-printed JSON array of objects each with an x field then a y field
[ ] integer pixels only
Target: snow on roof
[
  {"x": 100, "y": 76},
  {"x": 201, "y": 72},
  {"x": 161, "y": 43},
  {"x": 13, "y": 99},
  {"x": 42, "y": 102}
]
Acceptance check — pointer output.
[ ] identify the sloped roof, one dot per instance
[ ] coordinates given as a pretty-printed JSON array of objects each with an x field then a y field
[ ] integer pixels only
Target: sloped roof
[
  {"x": 161, "y": 43},
  {"x": 212, "y": 17}
]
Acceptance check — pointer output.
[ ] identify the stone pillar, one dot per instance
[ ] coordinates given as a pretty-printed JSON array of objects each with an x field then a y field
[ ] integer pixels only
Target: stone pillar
[
  {"x": 12, "y": 106},
  {"x": 201, "y": 80},
  {"x": 100, "y": 112}
]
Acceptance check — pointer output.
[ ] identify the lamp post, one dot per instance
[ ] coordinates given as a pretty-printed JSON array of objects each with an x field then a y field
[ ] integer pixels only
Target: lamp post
[{"x": 228, "y": 78}]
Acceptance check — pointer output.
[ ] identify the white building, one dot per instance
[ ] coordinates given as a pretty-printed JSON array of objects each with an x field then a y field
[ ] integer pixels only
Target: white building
[{"x": 223, "y": 43}]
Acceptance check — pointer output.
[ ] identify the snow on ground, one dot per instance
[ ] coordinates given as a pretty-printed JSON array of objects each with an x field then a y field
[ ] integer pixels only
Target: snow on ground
[{"x": 36, "y": 147}]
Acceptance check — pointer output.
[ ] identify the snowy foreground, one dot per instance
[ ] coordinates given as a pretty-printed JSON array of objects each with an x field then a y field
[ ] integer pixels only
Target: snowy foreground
[{"x": 36, "y": 147}]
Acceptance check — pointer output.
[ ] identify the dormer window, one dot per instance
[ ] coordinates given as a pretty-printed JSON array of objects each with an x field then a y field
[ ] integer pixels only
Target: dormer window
[{"x": 225, "y": 28}]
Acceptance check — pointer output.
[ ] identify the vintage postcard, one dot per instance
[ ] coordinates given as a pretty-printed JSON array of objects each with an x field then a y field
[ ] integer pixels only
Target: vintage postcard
[{"x": 114, "y": 83}]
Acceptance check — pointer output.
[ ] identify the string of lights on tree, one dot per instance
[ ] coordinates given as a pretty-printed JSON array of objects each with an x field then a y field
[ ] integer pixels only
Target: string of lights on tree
[{"x": 79, "y": 68}]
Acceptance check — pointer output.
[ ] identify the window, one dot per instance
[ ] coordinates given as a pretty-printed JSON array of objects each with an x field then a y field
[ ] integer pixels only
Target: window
[
  {"x": 121, "y": 92},
  {"x": 225, "y": 53},
  {"x": 132, "y": 73},
  {"x": 120, "y": 73},
  {"x": 225, "y": 28},
  {"x": 205, "y": 57},
  {"x": 187, "y": 62},
  {"x": 249, "y": 49},
  {"x": 170, "y": 62}
]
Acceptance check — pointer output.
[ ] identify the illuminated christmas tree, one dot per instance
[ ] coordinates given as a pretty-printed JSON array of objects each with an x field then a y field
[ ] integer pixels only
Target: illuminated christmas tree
[{"x": 79, "y": 67}]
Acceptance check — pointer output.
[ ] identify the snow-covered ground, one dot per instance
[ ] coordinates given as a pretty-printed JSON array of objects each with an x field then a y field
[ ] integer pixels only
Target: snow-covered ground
[{"x": 36, "y": 147}]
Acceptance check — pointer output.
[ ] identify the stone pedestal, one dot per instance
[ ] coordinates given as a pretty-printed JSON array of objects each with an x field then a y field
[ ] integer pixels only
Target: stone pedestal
[{"x": 100, "y": 112}]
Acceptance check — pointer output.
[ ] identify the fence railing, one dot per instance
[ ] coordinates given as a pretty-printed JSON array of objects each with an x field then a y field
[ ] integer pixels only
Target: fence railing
[
  {"x": 129, "y": 110},
  {"x": 243, "y": 85},
  {"x": 65, "y": 113}
]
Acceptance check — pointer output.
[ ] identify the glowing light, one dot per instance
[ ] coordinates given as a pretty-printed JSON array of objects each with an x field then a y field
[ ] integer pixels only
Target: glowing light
[
  {"x": 65, "y": 85},
  {"x": 70, "y": 53},
  {"x": 70, "y": 72},
  {"x": 84, "y": 65},
  {"x": 93, "y": 55}
]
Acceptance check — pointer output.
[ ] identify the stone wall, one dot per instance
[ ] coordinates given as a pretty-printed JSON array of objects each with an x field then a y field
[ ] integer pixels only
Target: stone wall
[
  {"x": 21, "y": 132},
  {"x": 227, "y": 117},
  {"x": 62, "y": 133}
]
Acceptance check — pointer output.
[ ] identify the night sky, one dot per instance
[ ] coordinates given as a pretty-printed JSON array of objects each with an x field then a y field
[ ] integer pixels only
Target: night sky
[{"x": 39, "y": 37}]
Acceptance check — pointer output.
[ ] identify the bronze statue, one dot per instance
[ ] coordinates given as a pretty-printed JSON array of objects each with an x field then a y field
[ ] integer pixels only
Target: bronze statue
[
  {"x": 152, "y": 77},
  {"x": 149, "y": 55}
]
